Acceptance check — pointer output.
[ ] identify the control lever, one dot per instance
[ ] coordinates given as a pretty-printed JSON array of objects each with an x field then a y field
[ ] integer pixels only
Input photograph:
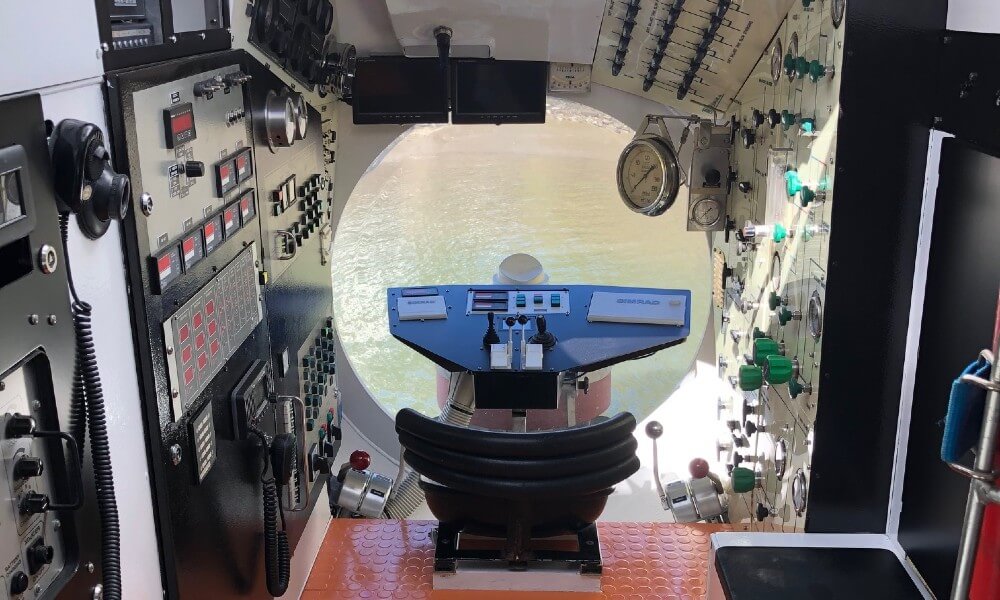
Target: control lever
[
  {"x": 653, "y": 431},
  {"x": 491, "y": 336},
  {"x": 543, "y": 336}
]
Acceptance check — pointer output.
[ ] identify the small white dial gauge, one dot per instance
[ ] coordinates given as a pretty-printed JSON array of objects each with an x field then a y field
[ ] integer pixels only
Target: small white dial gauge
[
  {"x": 706, "y": 212},
  {"x": 777, "y": 61},
  {"x": 569, "y": 77}
]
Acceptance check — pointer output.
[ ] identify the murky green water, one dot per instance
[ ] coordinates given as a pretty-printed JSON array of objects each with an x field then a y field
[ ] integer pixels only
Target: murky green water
[{"x": 448, "y": 203}]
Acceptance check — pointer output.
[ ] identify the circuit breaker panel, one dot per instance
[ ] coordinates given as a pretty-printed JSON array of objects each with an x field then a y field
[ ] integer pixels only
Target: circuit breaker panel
[
  {"x": 770, "y": 264},
  {"x": 227, "y": 249}
]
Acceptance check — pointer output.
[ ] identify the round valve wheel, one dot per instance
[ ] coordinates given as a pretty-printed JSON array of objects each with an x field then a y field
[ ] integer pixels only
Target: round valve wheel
[{"x": 360, "y": 460}]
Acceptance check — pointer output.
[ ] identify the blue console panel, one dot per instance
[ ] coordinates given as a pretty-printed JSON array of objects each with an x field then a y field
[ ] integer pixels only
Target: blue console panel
[{"x": 594, "y": 326}]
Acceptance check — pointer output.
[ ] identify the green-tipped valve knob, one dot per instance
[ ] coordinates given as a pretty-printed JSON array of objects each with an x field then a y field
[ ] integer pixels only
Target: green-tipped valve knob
[
  {"x": 750, "y": 378},
  {"x": 788, "y": 119},
  {"x": 801, "y": 67},
  {"x": 808, "y": 125},
  {"x": 774, "y": 301},
  {"x": 785, "y": 315},
  {"x": 763, "y": 348},
  {"x": 779, "y": 369},
  {"x": 817, "y": 71},
  {"x": 807, "y": 196},
  {"x": 806, "y": 3},
  {"x": 793, "y": 184},
  {"x": 789, "y": 64},
  {"x": 796, "y": 387},
  {"x": 779, "y": 233},
  {"x": 743, "y": 480}
]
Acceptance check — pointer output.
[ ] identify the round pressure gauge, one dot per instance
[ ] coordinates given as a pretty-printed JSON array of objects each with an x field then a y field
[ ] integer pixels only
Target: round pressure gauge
[
  {"x": 648, "y": 175},
  {"x": 815, "y": 316},
  {"x": 776, "y": 272},
  {"x": 837, "y": 12},
  {"x": 780, "y": 459},
  {"x": 793, "y": 52},
  {"x": 777, "y": 58},
  {"x": 300, "y": 111},
  {"x": 707, "y": 211},
  {"x": 799, "y": 492},
  {"x": 279, "y": 120}
]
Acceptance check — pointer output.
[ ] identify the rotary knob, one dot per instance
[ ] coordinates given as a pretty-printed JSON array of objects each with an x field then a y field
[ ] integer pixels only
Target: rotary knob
[
  {"x": 773, "y": 118},
  {"x": 757, "y": 118},
  {"x": 785, "y": 315},
  {"x": 749, "y": 137},
  {"x": 796, "y": 388},
  {"x": 750, "y": 427},
  {"x": 764, "y": 347},
  {"x": 762, "y": 512},
  {"x": 774, "y": 301},
  {"x": 193, "y": 168},
  {"x": 27, "y": 467},
  {"x": 743, "y": 480},
  {"x": 33, "y": 503},
  {"x": 779, "y": 369},
  {"x": 18, "y": 583},
  {"x": 39, "y": 555}
]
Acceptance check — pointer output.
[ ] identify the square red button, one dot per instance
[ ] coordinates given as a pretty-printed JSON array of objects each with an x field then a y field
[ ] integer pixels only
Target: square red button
[
  {"x": 214, "y": 347},
  {"x": 202, "y": 361},
  {"x": 183, "y": 333},
  {"x": 210, "y": 307},
  {"x": 197, "y": 320},
  {"x": 212, "y": 327},
  {"x": 186, "y": 355},
  {"x": 188, "y": 375},
  {"x": 199, "y": 341}
]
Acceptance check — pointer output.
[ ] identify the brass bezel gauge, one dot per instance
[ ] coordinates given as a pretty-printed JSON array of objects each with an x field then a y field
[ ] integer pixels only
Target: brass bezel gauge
[
  {"x": 837, "y": 12},
  {"x": 777, "y": 61},
  {"x": 655, "y": 153}
]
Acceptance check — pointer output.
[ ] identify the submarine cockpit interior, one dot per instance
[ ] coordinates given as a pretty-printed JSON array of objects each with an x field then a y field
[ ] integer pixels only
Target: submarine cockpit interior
[{"x": 466, "y": 299}]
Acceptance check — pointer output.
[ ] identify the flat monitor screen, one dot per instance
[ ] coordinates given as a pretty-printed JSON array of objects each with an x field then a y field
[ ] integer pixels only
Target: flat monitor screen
[
  {"x": 498, "y": 91},
  {"x": 395, "y": 89}
]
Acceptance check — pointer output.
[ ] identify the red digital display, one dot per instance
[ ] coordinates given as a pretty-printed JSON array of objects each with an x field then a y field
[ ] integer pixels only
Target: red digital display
[{"x": 181, "y": 123}]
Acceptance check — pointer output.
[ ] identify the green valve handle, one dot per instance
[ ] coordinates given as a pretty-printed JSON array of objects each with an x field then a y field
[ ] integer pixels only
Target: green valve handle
[
  {"x": 743, "y": 480},
  {"x": 801, "y": 67},
  {"x": 750, "y": 378},
  {"x": 774, "y": 301},
  {"x": 787, "y": 119},
  {"x": 807, "y": 197},
  {"x": 806, "y": 3},
  {"x": 795, "y": 388},
  {"x": 792, "y": 183},
  {"x": 817, "y": 71},
  {"x": 785, "y": 315},
  {"x": 778, "y": 369},
  {"x": 763, "y": 348},
  {"x": 757, "y": 333},
  {"x": 808, "y": 125},
  {"x": 789, "y": 64},
  {"x": 779, "y": 234}
]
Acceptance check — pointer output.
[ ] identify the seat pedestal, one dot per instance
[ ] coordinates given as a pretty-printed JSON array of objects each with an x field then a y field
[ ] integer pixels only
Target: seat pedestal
[{"x": 468, "y": 562}]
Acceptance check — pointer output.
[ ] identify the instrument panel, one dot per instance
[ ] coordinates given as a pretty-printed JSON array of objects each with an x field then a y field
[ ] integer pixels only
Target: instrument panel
[{"x": 770, "y": 265}]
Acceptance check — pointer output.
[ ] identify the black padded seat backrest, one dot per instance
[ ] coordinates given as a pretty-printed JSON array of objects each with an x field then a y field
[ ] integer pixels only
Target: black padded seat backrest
[{"x": 475, "y": 441}]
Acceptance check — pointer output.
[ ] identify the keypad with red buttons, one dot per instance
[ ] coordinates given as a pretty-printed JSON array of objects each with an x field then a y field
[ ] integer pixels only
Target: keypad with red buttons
[{"x": 201, "y": 336}]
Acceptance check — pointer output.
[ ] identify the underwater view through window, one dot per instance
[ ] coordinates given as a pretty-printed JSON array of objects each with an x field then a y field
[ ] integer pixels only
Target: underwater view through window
[{"x": 447, "y": 203}]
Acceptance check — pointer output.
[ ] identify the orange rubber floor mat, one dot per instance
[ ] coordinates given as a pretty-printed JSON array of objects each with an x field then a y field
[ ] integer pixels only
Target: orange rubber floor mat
[{"x": 390, "y": 560}]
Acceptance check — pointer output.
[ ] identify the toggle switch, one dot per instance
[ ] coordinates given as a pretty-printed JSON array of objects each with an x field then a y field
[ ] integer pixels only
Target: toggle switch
[{"x": 193, "y": 168}]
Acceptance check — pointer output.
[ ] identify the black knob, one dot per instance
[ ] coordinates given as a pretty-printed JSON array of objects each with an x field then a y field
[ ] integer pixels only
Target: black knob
[
  {"x": 19, "y": 426},
  {"x": 758, "y": 118},
  {"x": 738, "y": 459},
  {"x": 33, "y": 503},
  {"x": 733, "y": 425},
  {"x": 510, "y": 321},
  {"x": 773, "y": 118},
  {"x": 739, "y": 441},
  {"x": 18, "y": 583},
  {"x": 712, "y": 178},
  {"x": 28, "y": 466},
  {"x": 745, "y": 187},
  {"x": 762, "y": 511},
  {"x": 750, "y": 427},
  {"x": 39, "y": 555},
  {"x": 749, "y": 137},
  {"x": 491, "y": 336},
  {"x": 193, "y": 168},
  {"x": 522, "y": 320}
]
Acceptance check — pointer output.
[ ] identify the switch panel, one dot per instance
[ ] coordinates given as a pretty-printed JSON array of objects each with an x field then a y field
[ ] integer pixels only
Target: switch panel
[
  {"x": 203, "y": 333},
  {"x": 32, "y": 545},
  {"x": 513, "y": 302}
]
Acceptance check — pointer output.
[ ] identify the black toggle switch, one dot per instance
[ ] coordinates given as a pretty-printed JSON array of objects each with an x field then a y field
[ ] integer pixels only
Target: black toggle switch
[
  {"x": 27, "y": 467},
  {"x": 193, "y": 168},
  {"x": 33, "y": 503}
]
